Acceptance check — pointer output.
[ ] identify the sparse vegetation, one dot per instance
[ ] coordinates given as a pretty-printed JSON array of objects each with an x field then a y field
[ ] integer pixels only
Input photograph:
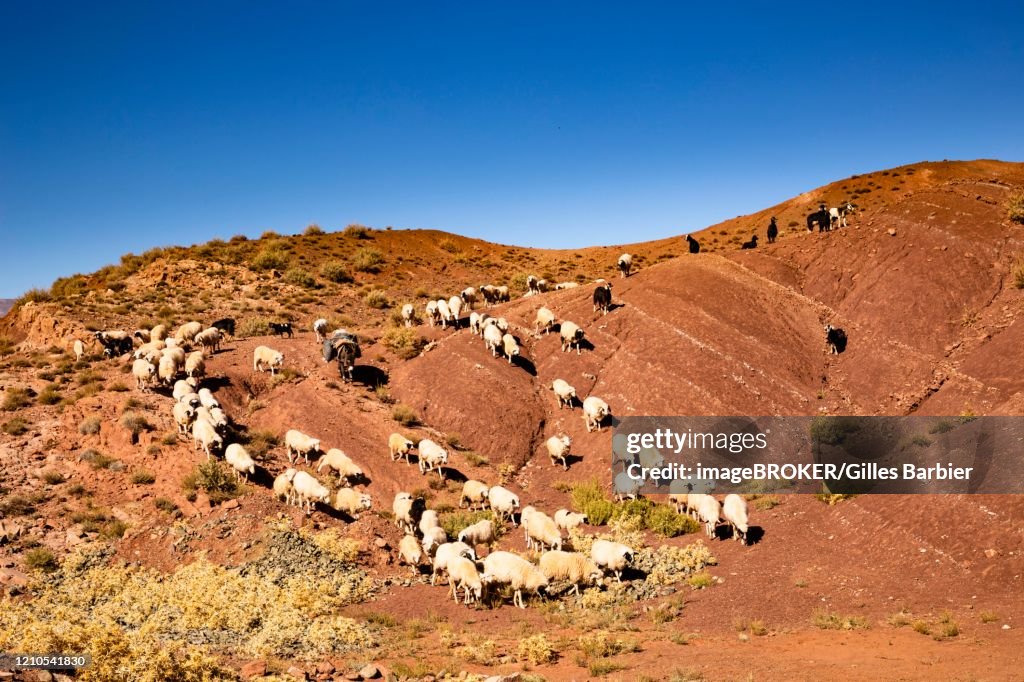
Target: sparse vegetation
[
  {"x": 300, "y": 277},
  {"x": 254, "y": 326},
  {"x": 53, "y": 477},
  {"x": 211, "y": 477},
  {"x": 536, "y": 649},
  {"x": 335, "y": 271},
  {"x": 376, "y": 298},
  {"x": 403, "y": 342},
  {"x": 143, "y": 477},
  {"x": 1015, "y": 207},
  {"x": 15, "y": 427},
  {"x": 41, "y": 559},
  {"x": 589, "y": 498},
  {"x": 15, "y": 398},
  {"x": 405, "y": 415},
  {"x": 829, "y": 620},
  {"x": 135, "y": 423}
]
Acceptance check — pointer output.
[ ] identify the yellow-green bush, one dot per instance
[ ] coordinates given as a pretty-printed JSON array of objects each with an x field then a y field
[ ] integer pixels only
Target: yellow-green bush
[{"x": 403, "y": 342}]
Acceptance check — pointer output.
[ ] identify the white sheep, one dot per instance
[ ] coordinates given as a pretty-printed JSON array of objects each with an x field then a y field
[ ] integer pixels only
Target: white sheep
[
  {"x": 340, "y": 462},
  {"x": 402, "y": 510},
  {"x": 492, "y": 338},
  {"x": 183, "y": 387},
  {"x": 444, "y": 312},
  {"x": 571, "y": 335},
  {"x": 408, "y": 313},
  {"x": 351, "y": 501},
  {"x": 490, "y": 294},
  {"x": 569, "y": 521},
  {"x": 595, "y": 411},
  {"x": 399, "y": 446},
  {"x": 524, "y": 521},
  {"x": 195, "y": 364},
  {"x": 503, "y": 502},
  {"x": 476, "y": 322},
  {"x": 707, "y": 511},
  {"x": 158, "y": 333},
  {"x": 264, "y": 356},
  {"x": 207, "y": 400},
  {"x": 558, "y": 449},
  {"x": 543, "y": 285},
  {"x": 283, "y": 485},
  {"x": 469, "y": 296},
  {"x": 190, "y": 399},
  {"x": 625, "y": 264},
  {"x": 410, "y": 552},
  {"x": 431, "y": 313},
  {"x": 150, "y": 351},
  {"x": 543, "y": 532},
  {"x": 734, "y": 510},
  {"x": 144, "y": 372},
  {"x": 309, "y": 491},
  {"x": 187, "y": 332},
  {"x": 429, "y": 519},
  {"x": 455, "y": 304},
  {"x": 520, "y": 574},
  {"x": 204, "y": 434},
  {"x": 480, "y": 533},
  {"x": 240, "y": 461},
  {"x": 565, "y": 393},
  {"x": 444, "y": 552},
  {"x": 174, "y": 352},
  {"x": 611, "y": 556},
  {"x": 209, "y": 339},
  {"x": 167, "y": 370},
  {"x": 474, "y": 493},
  {"x": 571, "y": 567},
  {"x": 184, "y": 415},
  {"x": 544, "y": 321},
  {"x": 462, "y": 574},
  {"x": 171, "y": 343},
  {"x": 79, "y": 348},
  {"x": 502, "y": 294},
  {"x": 566, "y": 285},
  {"x": 298, "y": 443},
  {"x": 433, "y": 538},
  {"x": 510, "y": 347},
  {"x": 432, "y": 456},
  {"x": 625, "y": 486},
  {"x": 320, "y": 329}
]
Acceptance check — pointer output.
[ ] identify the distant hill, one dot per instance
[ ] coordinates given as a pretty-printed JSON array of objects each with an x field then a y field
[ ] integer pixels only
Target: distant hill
[{"x": 5, "y": 305}]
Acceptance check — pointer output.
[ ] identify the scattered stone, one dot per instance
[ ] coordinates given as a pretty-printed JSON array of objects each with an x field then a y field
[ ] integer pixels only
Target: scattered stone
[
  {"x": 380, "y": 542},
  {"x": 892, "y": 232},
  {"x": 297, "y": 672},
  {"x": 324, "y": 668},
  {"x": 116, "y": 466},
  {"x": 230, "y": 504},
  {"x": 369, "y": 672},
  {"x": 991, "y": 553},
  {"x": 253, "y": 669},
  {"x": 1006, "y": 626},
  {"x": 12, "y": 577},
  {"x": 353, "y": 677}
]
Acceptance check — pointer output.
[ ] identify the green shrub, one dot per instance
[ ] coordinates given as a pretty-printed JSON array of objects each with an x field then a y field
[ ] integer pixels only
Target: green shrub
[
  {"x": 15, "y": 398},
  {"x": 313, "y": 230},
  {"x": 1015, "y": 208},
  {"x": 41, "y": 559},
  {"x": 90, "y": 426},
  {"x": 536, "y": 649},
  {"x": 135, "y": 423},
  {"x": 833, "y": 430},
  {"x": 1018, "y": 273},
  {"x": 589, "y": 499},
  {"x": 254, "y": 326},
  {"x": 299, "y": 277},
  {"x": 376, "y": 299},
  {"x": 15, "y": 427},
  {"x": 404, "y": 415},
  {"x": 828, "y": 620},
  {"x": 143, "y": 477},
  {"x": 367, "y": 259},
  {"x": 455, "y": 521},
  {"x": 358, "y": 231},
  {"x": 335, "y": 271},
  {"x": 49, "y": 395},
  {"x": 212, "y": 477},
  {"x": 53, "y": 477},
  {"x": 165, "y": 504},
  {"x": 403, "y": 342},
  {"x": 271, "y": 257}
]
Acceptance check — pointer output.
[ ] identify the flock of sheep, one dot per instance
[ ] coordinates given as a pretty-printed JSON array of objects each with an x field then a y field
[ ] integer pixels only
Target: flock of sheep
[{"x": 178, "y": 362}]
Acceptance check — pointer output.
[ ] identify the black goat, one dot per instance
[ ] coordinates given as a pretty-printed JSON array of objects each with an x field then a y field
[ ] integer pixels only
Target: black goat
[
  {"x": 281, "y": 328},
  {"x": 836, "y": 339},
  {"x": 603, "y": 297},
  {"x": 226, "y": 325},
  {"x": 693, "y": 244},
  {"x": 752, "y": 244},
  {"x": 823, "y": 219},
  {"x": 113, "y": 348},
  {"x": 773, "y": 231}
]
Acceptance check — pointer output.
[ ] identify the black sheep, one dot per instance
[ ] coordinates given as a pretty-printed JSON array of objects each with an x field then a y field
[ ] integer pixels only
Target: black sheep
[
  {"x": 226, "y": 325},
  {"x": 836, "y": 339},
  {"x": 752, "y": 244},
  {"x": 693, "y": 244},
  {"x": 603, "y": 297},
  {"x": 281, "y": 328}
]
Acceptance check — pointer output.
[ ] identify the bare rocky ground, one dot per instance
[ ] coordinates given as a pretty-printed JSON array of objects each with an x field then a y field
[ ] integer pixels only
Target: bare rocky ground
[{"x": 922, "y": 280}]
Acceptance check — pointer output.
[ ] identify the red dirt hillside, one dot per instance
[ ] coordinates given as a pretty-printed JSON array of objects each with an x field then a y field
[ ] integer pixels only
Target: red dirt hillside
[{"x": 924, "y": 280}]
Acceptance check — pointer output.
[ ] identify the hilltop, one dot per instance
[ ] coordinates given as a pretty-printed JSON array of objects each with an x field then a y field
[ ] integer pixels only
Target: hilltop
[{"x": 925, "y": 280}]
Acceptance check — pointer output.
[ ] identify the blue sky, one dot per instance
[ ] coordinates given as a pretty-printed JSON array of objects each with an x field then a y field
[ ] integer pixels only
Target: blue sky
[{"x": 131, "y": 125}]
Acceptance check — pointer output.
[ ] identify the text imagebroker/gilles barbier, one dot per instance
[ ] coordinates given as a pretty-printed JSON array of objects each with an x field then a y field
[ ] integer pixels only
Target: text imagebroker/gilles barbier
[{"x": 845, "y": 471}]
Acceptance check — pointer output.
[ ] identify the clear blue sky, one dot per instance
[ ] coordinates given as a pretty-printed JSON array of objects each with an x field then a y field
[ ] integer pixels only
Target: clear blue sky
[{"x": 130, "y": 125}]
